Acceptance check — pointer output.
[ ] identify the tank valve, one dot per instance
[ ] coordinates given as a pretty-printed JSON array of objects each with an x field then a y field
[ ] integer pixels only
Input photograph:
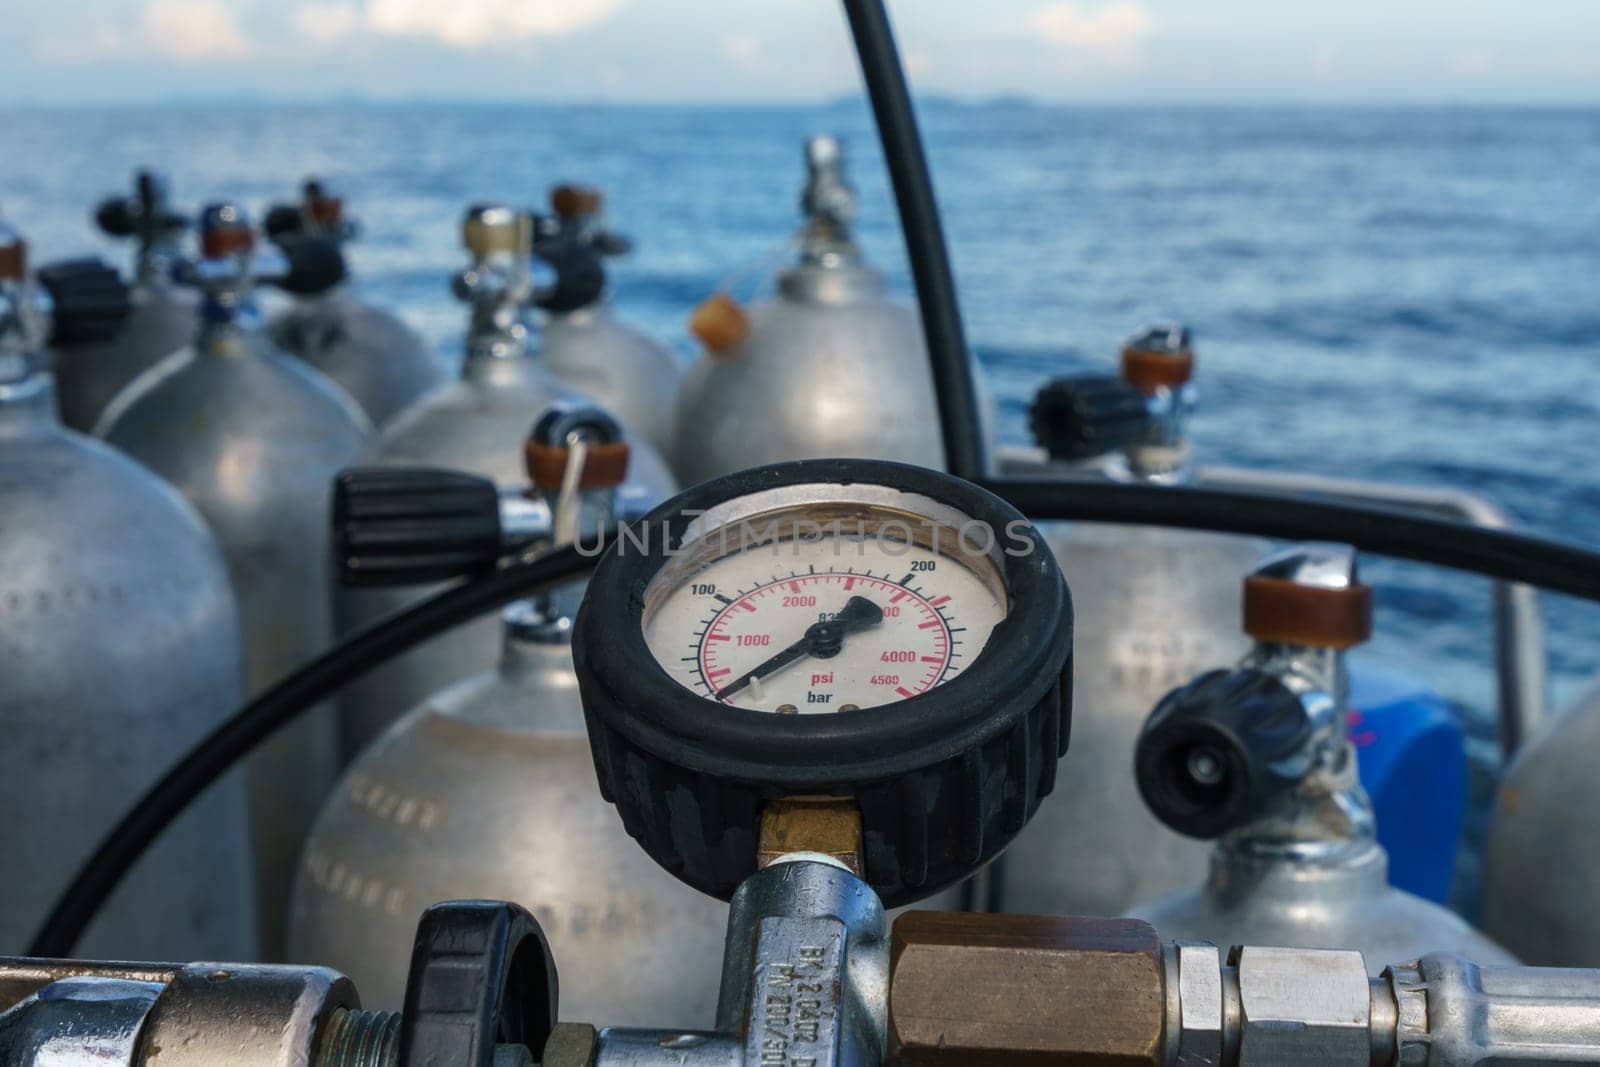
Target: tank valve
[
  {"x": 576, "y": 213},
  {"x": 1265, "y": 740},
  {"x": 231, "y": 265},
  {"x": 148, "y": 217},
  {"x": 506, "y": 279},
  {"x": 412, "y": 525},
  {"x": 1083, "y": 416},
  {"x": 318, "y": 214},
  {"x": 1142, "y": 413},
  {"x": 77, "y": 301}
]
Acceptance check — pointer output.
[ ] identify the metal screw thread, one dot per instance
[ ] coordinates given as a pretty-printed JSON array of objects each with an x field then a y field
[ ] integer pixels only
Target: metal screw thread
[{"x": 361, "y": 1039}]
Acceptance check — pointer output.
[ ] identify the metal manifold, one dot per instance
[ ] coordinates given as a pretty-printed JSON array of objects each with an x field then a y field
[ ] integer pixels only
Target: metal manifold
[{"x": 813, "y": 977}]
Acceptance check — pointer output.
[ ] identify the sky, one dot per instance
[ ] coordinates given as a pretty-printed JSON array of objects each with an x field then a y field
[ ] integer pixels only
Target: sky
[{"x": 756, "y": 51}]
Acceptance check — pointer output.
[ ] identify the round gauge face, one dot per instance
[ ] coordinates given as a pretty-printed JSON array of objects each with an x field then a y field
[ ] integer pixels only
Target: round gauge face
[{"x": 833, "y": 621}]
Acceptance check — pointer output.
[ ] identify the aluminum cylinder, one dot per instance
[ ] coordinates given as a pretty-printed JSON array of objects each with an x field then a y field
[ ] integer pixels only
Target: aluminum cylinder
[
  {"x": 1165, "y": 606},
  {"x": 488, "y": 790},
  {"x": 375, "y": 357},
  {"x": 119, "y": 649},
  {"x": 829, "y": 368},
  {"x": 1342, "y": 901},
  {"x": 253, "y": 438},
  {"x": 1541, "y": 873}
]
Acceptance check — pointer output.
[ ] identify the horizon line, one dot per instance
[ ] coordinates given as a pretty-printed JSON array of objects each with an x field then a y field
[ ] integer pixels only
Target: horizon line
[{"x": 934, "y": 98}]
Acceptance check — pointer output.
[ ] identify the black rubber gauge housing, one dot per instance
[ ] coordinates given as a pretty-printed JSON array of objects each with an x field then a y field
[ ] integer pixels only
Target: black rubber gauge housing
[{"x": 944, "y": 779}]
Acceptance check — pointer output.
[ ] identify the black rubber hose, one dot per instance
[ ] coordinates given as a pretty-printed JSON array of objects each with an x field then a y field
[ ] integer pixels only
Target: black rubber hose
[
  {"x": 959, "y": 418},
  {"x": 1559, "y": 566},
  {"x": 307, "y": 687}
]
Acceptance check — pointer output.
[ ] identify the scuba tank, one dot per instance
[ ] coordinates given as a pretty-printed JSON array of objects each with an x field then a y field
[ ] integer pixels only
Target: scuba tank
[
  {"x": 467, "y": 425},
  {"x": 487, "y": 788},
  {"x": 1258, "y": 759},
  {"x": 586, "y": 346},
  {"x": 119, "y": 648},
  {"x": 89, "y": 374},
  {"x": 1541, "y": 875},
  {"x": 252, "y": 437},
  {"x": 1165, "y": 605},
  {"x": 379, "y": 360},
  {"x": 829, "y": 367}
]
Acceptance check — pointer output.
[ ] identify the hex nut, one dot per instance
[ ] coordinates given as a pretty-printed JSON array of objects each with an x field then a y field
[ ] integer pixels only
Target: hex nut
[
  {"x": 1200, "y": 1014},
  {"x": 1303, "y": 1006},
  {"x": 1023, "y": 991}
]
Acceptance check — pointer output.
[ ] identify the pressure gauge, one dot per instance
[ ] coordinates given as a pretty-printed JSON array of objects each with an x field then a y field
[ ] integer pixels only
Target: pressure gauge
[{"x": 836, "y": 627}]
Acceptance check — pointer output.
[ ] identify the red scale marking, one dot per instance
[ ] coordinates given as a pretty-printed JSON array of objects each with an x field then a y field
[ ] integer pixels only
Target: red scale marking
[{"x": 938, "y": 664}]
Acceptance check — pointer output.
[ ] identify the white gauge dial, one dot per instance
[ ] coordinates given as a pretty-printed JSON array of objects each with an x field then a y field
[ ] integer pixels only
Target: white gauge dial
[{"x": 830, "y": 623}]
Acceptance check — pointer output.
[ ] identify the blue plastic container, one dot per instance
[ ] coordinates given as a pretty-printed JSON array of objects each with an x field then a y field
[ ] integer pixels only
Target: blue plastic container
[{"x": 1413, "y": 761}]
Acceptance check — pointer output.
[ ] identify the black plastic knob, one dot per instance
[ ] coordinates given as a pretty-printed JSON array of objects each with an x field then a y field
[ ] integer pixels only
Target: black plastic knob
[
  {"x": 407, "y": 526},
  {"x": 1214, "y": 752},
  {"x": 116, "y": 218},
  {"x": 563, "y": 418},
  {"x": 580, "y": 276},
  {"x": 482, "y": 977},
  {"x": 283, "y": 221},
  {"x": 315, "y": 265},
  {"x": 89, "y": 301},
  {"x": 1080, "y": 417}
]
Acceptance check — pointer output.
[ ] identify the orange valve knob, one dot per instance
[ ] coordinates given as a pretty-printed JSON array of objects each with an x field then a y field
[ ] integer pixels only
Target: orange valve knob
[
  {"x": 13, "y": 256},
  {"x": 572, "y": 201},
  {"x": 720, "y": 323},
  {"x": 225, "y": 231},
  {"x": 1160, "y": 357},
  {"x": 548, "y": 450}
]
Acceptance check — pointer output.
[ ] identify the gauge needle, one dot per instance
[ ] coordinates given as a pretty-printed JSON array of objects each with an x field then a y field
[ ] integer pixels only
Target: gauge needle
[{"x": 822, "y": 640}]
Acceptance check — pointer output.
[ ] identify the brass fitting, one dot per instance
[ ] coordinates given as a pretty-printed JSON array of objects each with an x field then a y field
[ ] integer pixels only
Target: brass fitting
[
  {"x": 1025, "y": 991},
  {"x": 828, "y": 825}
]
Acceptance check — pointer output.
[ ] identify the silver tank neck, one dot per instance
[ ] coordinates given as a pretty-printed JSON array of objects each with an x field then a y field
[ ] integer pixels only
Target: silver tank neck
[
  {"x": 529, "y": 623},
  {"x": 831, "y": 284},
  {"x": 1356, "y": 867},
  {"x": 153, "y": 263},
  {"x": 27, "y": 397}
]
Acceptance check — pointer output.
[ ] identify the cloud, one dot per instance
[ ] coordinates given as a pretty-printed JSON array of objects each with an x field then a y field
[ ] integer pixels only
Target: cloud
[
  {"x": 188, "y": 30},
  {"x": 472, "y": 24},
  {"x": 326, "y": 23},
  {"x": 1113, "y": 33},
  {"x": 192, "y": 29},
  {"x": 743, "y": 51}
]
